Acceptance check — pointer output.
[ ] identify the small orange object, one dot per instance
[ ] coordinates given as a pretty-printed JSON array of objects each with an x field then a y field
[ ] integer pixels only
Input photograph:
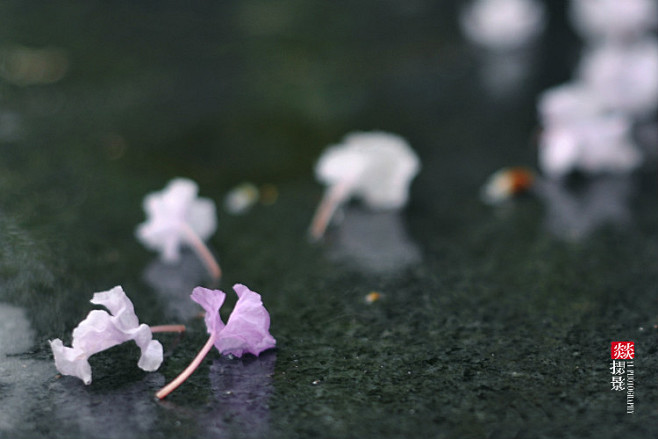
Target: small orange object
[
  {"x": 372, "y": 297},
  {"x": 506, "y": 183}
]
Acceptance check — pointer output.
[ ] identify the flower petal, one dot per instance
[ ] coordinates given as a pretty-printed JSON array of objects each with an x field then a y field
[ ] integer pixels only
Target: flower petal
[
  {"x": 247, "y": 329},
  {"x": 211, "y": 301},
  {"x": 71, "y": 361}
]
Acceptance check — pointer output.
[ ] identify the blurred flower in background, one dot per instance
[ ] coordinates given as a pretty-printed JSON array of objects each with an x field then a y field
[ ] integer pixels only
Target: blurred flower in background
[
  {"x": 503, "y": 24},
  {"x": 24, "y": 66}
]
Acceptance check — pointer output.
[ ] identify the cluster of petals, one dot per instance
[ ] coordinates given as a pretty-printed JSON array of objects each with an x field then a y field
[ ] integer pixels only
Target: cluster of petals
[
  {"x": 102, "y": 330},
  {"x": 624, "y": 75},
  {"x": 580, "y": 134},
  {"x": 503, "y": 24},
  {"x": 588, "y": 124}
]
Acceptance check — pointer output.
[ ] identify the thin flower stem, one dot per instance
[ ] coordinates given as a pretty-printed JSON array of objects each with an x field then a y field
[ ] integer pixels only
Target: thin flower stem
[
  {"x": 204, "y": 253},
  {"x": 333, "y": 197},
  {"x": 166, "y": 390},
  {"x": 168, "y": 328}
]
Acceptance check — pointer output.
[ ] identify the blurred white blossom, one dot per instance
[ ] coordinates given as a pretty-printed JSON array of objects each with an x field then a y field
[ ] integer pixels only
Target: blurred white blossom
[
  {"x": 624, "y": 76},
  {"x": 503, "y": 24},
  {"x": 599, "y": 20},
  {"x": 580, "y": 134},
  {"x": 375, "y": 167}
]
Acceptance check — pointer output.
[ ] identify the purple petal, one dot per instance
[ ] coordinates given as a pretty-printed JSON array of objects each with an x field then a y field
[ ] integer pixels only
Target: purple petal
[
  {"x": 247, "y": 330},
  {"x": 211, "y": 301}
]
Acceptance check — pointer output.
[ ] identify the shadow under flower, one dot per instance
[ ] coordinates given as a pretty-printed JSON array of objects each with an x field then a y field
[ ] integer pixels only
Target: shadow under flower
[
  {"x": 573, "y": 213},
  {"x": 375, "y": 242},
  {"x": 120, "y": 412}
]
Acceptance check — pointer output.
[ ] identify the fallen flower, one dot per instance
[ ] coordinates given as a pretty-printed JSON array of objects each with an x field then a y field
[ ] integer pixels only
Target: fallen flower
[
  {"x": 376, "y": 167},
  {"x": 613, "y": 20},
  {"x": 503, "y": 24},
  {"x": 176, "y": 217},
  {"x": 579, "y": 133},
  {"x": 247, "y": 329},
  {"x": 624, "y": 76},
  {"x": 102, "y": 330}
]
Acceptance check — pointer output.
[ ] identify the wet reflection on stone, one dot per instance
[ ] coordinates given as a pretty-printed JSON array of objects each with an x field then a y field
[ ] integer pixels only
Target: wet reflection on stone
[
  {"x": 574, "y": 213},
  {"x": 242, "y": 389},
  {"x": 376, "y": 242},
  {"x": 20, "y": 379},
  {"x": 175, "y": 282},
  {"x": 124, "y": 411}
]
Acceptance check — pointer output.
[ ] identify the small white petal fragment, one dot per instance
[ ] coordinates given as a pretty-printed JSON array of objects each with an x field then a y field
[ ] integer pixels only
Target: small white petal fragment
[{"x": 241, "y": 198}]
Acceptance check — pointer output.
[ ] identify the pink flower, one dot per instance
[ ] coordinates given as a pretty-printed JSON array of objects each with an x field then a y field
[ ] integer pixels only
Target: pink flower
[
  {"x": 102, "y": 330},
  {"x": 247, "y": 329}
]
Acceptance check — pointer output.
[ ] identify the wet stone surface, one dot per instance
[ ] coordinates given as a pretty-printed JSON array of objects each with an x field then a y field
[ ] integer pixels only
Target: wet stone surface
[{"x": 491, "y": 322}]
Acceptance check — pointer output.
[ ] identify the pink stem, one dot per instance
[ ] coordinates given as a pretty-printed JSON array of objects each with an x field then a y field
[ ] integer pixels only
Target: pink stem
[
  {"x": 333, "y": 197},
  {"x": 203, "y": 252},
  {"x": 168, "y": 328},
  {"x": 166, "y": 390}
]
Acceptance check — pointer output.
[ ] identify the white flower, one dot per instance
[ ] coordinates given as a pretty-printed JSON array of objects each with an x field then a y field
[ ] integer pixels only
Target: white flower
[
  {"x": 614, "y": 19},
  {"x": 624, "y": 76},
  {"x": 579, "y": 134},
  {"x": 567, "y": 103},
  {"x": 375, "y": 167},
  {"x": 176, "y": 216},
  {"x": 102, "y": 330},
  {"x": 503, "y": 24}
]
